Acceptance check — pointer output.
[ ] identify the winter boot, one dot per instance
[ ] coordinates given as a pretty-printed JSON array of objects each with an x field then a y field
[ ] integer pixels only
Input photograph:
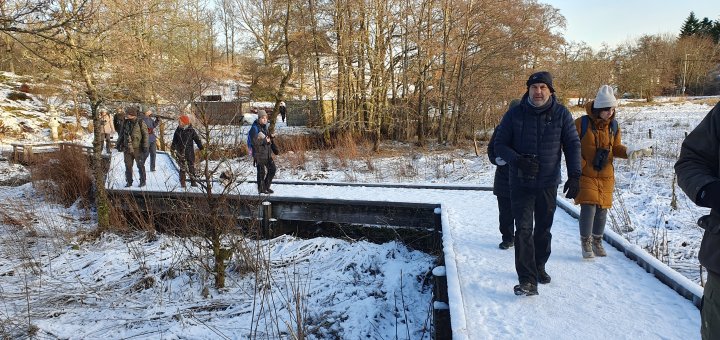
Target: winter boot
[
  {"x": 597, "y": 246},
  {"x": 527, "y": 289},
  {"x": 543, "y": 276},
  {"x": 586, "y": 243},
  {"x": 506, "y": 244}
]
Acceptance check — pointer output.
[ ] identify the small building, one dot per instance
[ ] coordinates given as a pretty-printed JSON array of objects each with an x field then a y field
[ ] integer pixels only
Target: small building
[
  {"x": 219, "y": 112},
  {"x": 307, "y": 112}
]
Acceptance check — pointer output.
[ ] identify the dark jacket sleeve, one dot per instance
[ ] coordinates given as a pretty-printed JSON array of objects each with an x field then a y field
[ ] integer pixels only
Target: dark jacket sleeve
[
  {"x": 698, "y": 162},
  {"x": 196, "y": 139},
  {"x": 491, "y": 147},
  {"x": 571, "y": 146},
  {"x": 504, "y": 137},
  {"x": 145, "y": 139},
  {"x": 176, "y": 140}
]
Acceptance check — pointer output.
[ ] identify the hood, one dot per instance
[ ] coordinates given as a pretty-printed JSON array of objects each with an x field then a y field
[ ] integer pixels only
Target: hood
[{"x": 599, "y": 122}]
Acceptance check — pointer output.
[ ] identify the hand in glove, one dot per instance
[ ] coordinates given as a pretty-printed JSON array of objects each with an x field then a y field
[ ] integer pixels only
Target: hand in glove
[
  {"x": 709, "y": 196},
  {"x": 572, "y": 187},
  {"x": 528, "y": 166},
  {"x": 634, "y": 153}
]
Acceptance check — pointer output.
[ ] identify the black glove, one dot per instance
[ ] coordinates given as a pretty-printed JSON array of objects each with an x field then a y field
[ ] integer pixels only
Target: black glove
[
  {"x": 572, "y": 187},
  {"x": 709, "y": 195},
  {"x": 528, "y": 166}
]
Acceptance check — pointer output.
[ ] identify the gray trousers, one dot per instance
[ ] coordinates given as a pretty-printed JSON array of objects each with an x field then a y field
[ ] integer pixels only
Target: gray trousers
[
  {"x": 152, "y": 152},
  {"x": 138, "y": 158},
  {"x": 592, "y": 220}
]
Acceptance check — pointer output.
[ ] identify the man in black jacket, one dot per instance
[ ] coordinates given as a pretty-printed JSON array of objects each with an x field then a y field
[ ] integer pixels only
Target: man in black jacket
[
  {"x": 698, "y": 173},
  {"x": 531, "y": 138}
]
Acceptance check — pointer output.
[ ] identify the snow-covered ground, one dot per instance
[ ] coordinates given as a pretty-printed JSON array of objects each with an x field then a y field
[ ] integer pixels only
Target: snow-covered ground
[{"x": 150, "y": 286}]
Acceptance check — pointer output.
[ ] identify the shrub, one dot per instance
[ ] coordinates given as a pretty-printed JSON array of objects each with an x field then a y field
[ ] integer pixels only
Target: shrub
[{"x": 64, "y": 177}]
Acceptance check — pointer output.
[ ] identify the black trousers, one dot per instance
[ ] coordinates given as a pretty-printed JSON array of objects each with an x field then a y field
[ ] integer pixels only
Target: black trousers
[
  {"x": 507, "y": 223},
  {"x": 532, "y": 243},
  {"x": 187, "y": 167},
  {"x": 265, "y": 174}
]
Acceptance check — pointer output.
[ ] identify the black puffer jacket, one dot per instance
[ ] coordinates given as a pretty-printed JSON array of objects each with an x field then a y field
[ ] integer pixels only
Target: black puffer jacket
[
  {"x": 501, "y": 183},
  {"x": 544, "y": 134},
  {"x": 182, "y": 142},
  {"x": 697, "y": 166}
]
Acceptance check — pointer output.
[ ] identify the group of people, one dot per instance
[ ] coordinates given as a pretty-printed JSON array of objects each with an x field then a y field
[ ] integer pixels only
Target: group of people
[
  {"x": 526, "y": 147},
  {"x": 137, "y": 140}
]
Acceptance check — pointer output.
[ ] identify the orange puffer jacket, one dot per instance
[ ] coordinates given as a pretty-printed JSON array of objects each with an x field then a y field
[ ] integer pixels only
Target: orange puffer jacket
[{"x": 596, "y": 187}]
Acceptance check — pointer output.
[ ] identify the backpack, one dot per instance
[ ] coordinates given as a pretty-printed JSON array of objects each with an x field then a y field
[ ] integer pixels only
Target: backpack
[
  {"x": 249, "y": 140},
  {"x": 585, "y": 120}
]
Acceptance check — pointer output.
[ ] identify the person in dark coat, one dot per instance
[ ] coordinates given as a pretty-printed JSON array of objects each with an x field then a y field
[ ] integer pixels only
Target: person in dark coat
[
  {"x": 182, "y": 146},
  {"x": 501, "y": 189},
  {"x": 262, "y": 151},
  {"x": 283, "y": 111},
  {"x": 698, "y": 174},
  {"x": 118, "y": 119},
  {"x": 133, "y": 142},
  {"x": 531, "y": 138}
]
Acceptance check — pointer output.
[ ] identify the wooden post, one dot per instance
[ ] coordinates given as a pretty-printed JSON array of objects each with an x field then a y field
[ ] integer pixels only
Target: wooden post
[
  {"x": 437, "y": 234},
  {"x": 441, "y": 308},
  {"x": 650, "y": 133},
  {"x": 266, "y": 215}
]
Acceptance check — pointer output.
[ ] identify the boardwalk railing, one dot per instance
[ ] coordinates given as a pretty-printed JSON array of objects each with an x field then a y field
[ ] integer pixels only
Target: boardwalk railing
[{"x": 25, "y": 153}]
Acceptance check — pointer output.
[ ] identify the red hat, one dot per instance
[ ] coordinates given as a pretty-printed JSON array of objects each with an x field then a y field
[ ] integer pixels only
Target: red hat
[{"x": 185, "y": 119}]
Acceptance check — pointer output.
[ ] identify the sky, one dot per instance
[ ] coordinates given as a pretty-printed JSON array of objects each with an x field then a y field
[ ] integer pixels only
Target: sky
[{"x": 614, "y": 21}]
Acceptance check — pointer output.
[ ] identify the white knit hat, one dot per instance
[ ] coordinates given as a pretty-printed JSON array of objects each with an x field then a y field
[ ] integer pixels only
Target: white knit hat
[{"x": 605, "y": 98}]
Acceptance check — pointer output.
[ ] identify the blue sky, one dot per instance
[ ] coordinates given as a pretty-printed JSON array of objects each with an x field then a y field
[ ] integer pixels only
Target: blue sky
[{"x": 614, "y": 21}]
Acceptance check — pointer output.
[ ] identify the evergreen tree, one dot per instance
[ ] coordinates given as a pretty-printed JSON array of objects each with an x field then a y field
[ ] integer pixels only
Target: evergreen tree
[{"x": 691, "y": 26}]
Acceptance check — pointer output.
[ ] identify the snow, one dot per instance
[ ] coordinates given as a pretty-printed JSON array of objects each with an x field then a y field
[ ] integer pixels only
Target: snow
[{"x": 95, "y": 288}]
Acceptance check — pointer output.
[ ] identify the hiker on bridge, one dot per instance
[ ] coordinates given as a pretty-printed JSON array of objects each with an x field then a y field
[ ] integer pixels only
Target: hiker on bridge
[
  {"x": 133, "y": 142},
  {"x": 260, "y": 146},
  {"x": 152, "y": 124},
  {"x": 501, "y": 189},
  {"x": 600, "y": 143},
  {"x": 108, "y": 129},
  {"x": 184, "y": 151},
  {"x": 531, "y": 138},
  {"x": 698, "y": 174}
]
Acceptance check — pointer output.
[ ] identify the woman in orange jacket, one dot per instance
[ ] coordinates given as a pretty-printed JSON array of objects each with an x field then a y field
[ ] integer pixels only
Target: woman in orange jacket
[{"x": 600, "y": 141}]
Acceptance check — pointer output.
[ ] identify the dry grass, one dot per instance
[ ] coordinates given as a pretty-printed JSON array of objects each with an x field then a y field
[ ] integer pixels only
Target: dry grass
[{"x": 64, "y": 177}]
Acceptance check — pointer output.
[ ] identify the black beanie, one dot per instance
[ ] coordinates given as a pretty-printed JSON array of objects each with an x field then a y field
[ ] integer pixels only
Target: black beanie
[{"x": 541, "y": 77}]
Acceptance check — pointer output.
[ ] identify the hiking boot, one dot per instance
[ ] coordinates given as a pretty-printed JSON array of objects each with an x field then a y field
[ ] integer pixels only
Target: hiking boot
[
  {"x": 506, "y": 244},
  {"x": 527, "y": 289},
  {"x": 586, "y": 244},
  {"x": 543, "y": 276},
  {"x": 269, "y": 191},
  {"x": 142, "y": 184},
  {"x": 127, "y": 185},
  {"x": 597, "y": 246}
]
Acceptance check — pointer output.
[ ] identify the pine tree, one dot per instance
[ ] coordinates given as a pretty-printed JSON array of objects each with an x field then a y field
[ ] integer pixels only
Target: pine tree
[
  {"x": 715, "y": 31},
  {"x": 691, "y": 26}
]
